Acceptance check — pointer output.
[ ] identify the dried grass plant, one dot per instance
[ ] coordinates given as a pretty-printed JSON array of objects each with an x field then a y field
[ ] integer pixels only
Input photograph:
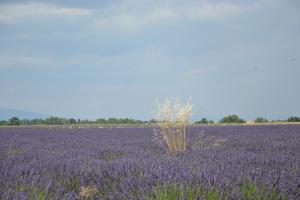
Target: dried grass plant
[
  {"x": 172, "y": 118},
  {"x": 87, "y": 192}
]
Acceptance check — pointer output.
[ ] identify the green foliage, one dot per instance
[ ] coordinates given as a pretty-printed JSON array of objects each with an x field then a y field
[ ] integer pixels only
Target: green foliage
[
  {"x": 101, "y": 121},
  {"x": 294, "y": 119},
  {"x": 261, "y": 120},
  {"x": 54, "y": 121},
  {"x": 213, "y": 195},
  {"x": 3, "y": 123},
  {"x": 71, "y": 184},
  {"x": 68, "y": 184},
  {"x": 202, "y": 121},
  {"x": 64, "y": 121},
  {"x": 72, "y": 121},
  {"x": 181, "y": 192},
  {"x": 232, "y": 119},
  {"x": 36, "y": 122},
  {"x": 152, "y": 121},
  {"x": 165, "y": 192},
  {"x": 118, "y": 121},
  {"x": 112, "y": 120},
  {"x": 36, "y": 193},
  {"x": 58, "y": 121},
  {"x": 86, "y": 121},
  {"x": 39, "y": 192},
  {"x": 249, "y": 190},
  {"x": 14, "y": 121}
]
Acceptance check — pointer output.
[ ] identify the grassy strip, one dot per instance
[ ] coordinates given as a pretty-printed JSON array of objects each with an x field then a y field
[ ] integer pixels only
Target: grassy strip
[{"x": 247, "y": 191}]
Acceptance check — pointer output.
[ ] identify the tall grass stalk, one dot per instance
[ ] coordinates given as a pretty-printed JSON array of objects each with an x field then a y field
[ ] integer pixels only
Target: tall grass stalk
[{"x": 172, "y": 118}]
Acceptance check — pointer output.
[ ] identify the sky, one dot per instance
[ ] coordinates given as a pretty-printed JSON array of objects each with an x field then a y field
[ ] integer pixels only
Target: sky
[{"x": 114, "y": 58}]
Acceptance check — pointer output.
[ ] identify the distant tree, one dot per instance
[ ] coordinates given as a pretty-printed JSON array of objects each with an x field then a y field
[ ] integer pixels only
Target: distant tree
[
  {"x": 64, "y": 121},
  {"x": 202, "y": 121},
  {"x": 54, "y": 121},
  {"x": 84, "y": 121},
  {"x": 14, "y": 121},
  {"x": 101, "y": 121},
  {"x": 129, "y": 121},
  {"x": 261, "y": 120},
  {"x": 293, "y": 119},
  {"x": 24, "y": 121},
  {"x": 123, "y": 121},
  {"x": 278, "y": 120},
  {"x": 140, "y": 122},
  {"x": 211, "y": 122},
  {"x": 72, "y": 121},
  {"x": 36, "y": 122},
  {"x": 3, "y": 123},
  {"x": 232, "y": 119},
  {"x": 152, "y": 121},
  {"x": 112, "y": 120}
]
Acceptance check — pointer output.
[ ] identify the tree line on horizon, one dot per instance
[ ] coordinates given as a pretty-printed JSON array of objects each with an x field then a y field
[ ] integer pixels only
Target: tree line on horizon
[
  {"x": 15, "y": 121},
  {"x": 230, "y": 119},
  {"x": 235, "y": 119}
]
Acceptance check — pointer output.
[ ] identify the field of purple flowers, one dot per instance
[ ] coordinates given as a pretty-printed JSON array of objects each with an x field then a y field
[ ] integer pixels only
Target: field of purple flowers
[{"x": 222, "y": 162}]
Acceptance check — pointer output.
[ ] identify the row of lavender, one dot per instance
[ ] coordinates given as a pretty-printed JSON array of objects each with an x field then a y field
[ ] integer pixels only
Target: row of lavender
[{"x": 125, "y": 163}]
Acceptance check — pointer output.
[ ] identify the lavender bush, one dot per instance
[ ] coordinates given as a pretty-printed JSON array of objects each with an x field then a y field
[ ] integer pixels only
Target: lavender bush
[{"x": 235, "y": 162}]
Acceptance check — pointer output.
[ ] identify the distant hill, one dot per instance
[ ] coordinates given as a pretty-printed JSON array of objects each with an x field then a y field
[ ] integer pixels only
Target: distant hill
[{"x": 6, "y": 114}]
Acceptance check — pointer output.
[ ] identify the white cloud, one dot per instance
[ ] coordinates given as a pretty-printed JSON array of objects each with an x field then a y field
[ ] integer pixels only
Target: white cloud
[
  {"x": 214, "y": 11},
  {"x": 25, "y": 61},
  {"x": 130, "y": 17},
  {"x": 4, "y": 19},
  {"x": 126, "y": 15},
  {"x": 12, "y": 12},
  {"x": 205, "y": 11}
]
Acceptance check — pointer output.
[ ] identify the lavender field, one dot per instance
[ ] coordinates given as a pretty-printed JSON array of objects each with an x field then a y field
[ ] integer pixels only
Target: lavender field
[{"x": 222, "y": 162}]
